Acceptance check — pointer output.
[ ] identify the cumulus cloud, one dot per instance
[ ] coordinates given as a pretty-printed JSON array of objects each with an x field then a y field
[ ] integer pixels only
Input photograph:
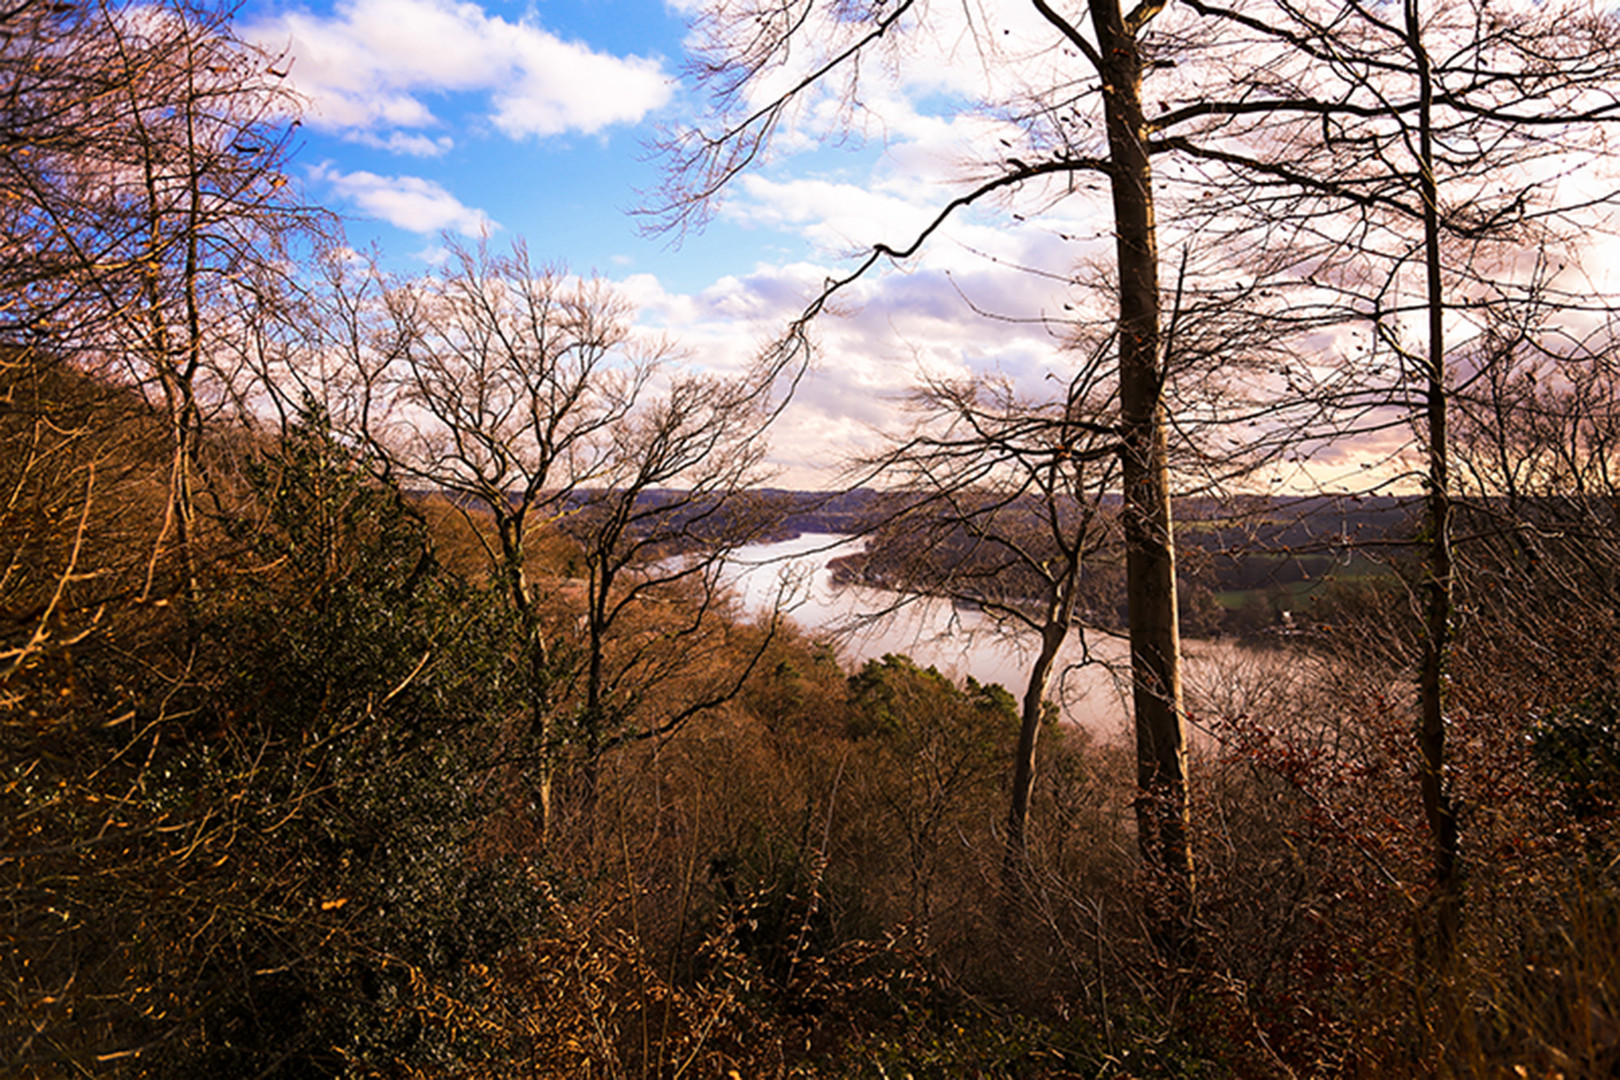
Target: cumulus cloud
[
  {"x": 887, "y": 333},
  {"x": 399, "y": 142},
  {"x": 407, "y": 202},
  {"x": 372, "y": 65}
]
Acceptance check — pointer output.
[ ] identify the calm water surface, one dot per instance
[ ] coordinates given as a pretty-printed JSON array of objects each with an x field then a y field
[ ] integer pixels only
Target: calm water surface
[
  {"x": 867, "y": 623},
  {"x": 1091, "y": 686}
]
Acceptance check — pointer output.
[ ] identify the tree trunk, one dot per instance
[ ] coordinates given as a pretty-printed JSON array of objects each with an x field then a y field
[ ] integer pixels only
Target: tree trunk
[
  {"x": 1016, "y": 854},
  {"x": 1438, "y": 809},
  {"x": 514, "y": 559},
  {"x": 1161, "y": 807}
]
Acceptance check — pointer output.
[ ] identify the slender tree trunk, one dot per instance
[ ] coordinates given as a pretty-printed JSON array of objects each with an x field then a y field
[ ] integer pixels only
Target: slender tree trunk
[
  {"x": 1437, "y": 581},
  {"x": 541, "y": 720},
  {"x": 190, "y": 437},
  {"x": 594, "y": 717},
  {"x": 537, "y": 656},
  {"x": 185, "y": 516},
  {"x": 1162, "y": 810},
  {"x": 180, "y": 406},
  {"x": 1015, "y": 857}
]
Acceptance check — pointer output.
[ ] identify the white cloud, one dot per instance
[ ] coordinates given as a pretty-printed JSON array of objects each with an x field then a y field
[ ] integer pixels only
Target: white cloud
[
  {"x": 560, "y": 86},
  {"x": 368, "y": 67},
  {"x": 407, "y": 202},
  {"x": 399, "y": 142},
  {"x": 433, "y": 255},
  {"x": 883, "y": 335}
]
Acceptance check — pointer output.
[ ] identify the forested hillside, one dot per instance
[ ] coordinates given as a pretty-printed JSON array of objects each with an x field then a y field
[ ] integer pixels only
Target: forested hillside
[{"x": 375, "y": 701}]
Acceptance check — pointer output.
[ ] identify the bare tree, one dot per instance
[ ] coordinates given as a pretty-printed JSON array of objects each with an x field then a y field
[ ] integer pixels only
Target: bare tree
[
  {"x": 144, "y": 154},
  {"x": 1536, "y": 442},
  {"x": 1004, "y": 511},
  {"x": 655, "y": 531},
  {"x": 1429, "y": 166},
  {"x": 528, "y": 398},
  {"x": 751, "y": 51},
  {"x": 499, "y": 385}
]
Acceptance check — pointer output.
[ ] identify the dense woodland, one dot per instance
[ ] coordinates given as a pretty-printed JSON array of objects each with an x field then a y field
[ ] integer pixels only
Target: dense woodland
[{"x": 373, "y": 701}]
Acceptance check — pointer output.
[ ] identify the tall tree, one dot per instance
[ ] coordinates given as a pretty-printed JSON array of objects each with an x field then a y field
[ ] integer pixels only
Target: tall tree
[
  {"x": 654, "y": 532},
  {"x": 744, "y": 55},
  {"x": 1009, "y": 507},
  {"x": 1004, "y": 511},
  {"x": 498, "y": 384},
  {"x": 1070, "y": 90},
  {"x": 1436, "y": 157}
]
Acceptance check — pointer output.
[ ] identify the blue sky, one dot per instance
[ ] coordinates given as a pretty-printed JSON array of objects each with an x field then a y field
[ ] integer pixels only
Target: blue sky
[
  {"x": 420, "y": 122},
  {"x": 429, "y": 118},
  {"x": 434, "y": 118}
]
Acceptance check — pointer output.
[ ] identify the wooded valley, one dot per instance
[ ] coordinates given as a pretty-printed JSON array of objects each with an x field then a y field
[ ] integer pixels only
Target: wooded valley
[{"x": 375, "y": 699}]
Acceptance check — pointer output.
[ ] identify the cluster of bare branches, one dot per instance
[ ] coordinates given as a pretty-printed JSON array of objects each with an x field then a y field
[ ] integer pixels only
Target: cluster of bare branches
[
  {"x": 149, "y": 211},
  {"x": 528, "y": 401},
  {"x": 1355, "y": 180}
]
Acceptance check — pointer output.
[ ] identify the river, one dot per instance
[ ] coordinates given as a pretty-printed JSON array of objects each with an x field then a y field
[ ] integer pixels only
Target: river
[
  {"x": 866, "y": 623},
  {"x": 1091, "y": 685}
]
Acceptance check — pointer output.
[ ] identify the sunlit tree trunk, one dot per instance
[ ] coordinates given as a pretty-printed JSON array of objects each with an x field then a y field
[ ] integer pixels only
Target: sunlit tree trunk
[{"x": 1162, "y": 802}]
